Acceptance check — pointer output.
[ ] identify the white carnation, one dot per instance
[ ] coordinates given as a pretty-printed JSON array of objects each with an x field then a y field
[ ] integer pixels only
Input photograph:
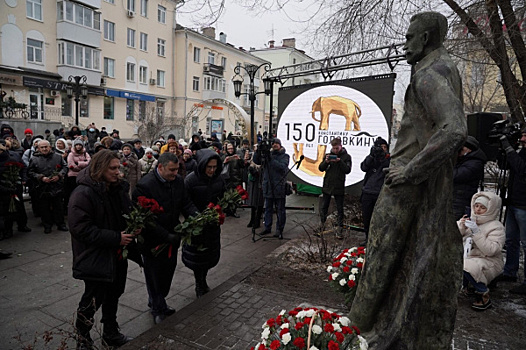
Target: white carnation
[
  {"x": 337, "y": 327},
  {"x": 345, "y": 321},
  {"x": 363, "y": 343},
  {"x": 354, "y": 270},
  {"x": 301, "y": 314},
  {"x": 284, "y": 325},
  {"x": 343, "y": 260},
  {"x": 309, "y": 313},
  {"x": 359, "y": 260},
  {"x": 265, "y": 333},
  {"x": 316, "y": 329},
  {"x": 352, "y": 278},
  {"x": 343, "y": 282},
  {"x": 329, "y": 268},
  {"x": 282, "y": 312},
  {"x": 353, "y": 249},
  {"x": 335, "y": 275},
  {"x": 286, "y": 338},
  {"x": 312, "y": 348}
]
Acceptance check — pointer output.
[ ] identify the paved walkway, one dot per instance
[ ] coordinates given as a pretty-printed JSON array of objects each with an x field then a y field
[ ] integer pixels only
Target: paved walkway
[{"x": 39, "y": 294}]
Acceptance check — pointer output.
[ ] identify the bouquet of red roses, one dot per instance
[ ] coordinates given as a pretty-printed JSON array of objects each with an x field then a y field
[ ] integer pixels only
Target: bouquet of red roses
[
  {"x": 11, "y": 178},
  {"x": 346, "y": 270},
  {"x": 233, "y": 198},
  {"x": 311, "y": 329},
  {"x": 142, "y": 215}
]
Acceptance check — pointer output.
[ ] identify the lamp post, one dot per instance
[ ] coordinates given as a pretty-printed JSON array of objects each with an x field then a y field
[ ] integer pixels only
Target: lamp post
[
  {"x": 237, "y": 80},
  {"x": 77, "y": 88}
]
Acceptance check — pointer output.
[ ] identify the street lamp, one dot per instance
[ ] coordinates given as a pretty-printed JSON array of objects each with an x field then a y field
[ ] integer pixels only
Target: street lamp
[
  {"x": 79, "y": 88},
  {"x": 237, "y": 80}
]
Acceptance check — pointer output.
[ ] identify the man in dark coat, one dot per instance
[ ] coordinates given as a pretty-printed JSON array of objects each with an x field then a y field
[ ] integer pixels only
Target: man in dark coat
[
  {"x": 47, "y": 171},
  {"x": 98, "y": 235},
  {"x": 167, "y": 187},
  {"x": 467, "y": 175},
  {"x": 373, "y": 166},
  {"x": 407, "y": 295},
  {"x": 337, "y": 165},
  {"x": 275, "y": 168}
]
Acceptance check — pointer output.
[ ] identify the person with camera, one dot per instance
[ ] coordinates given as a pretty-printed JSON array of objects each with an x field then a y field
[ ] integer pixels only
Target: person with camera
[
  {"x": 468, "y": 172},
  {"x": 515, "y": 211},
  {"x": 373, "y": 181},
  {"x": 275, "y": 166},
  {"x": 337, "y": 165}
]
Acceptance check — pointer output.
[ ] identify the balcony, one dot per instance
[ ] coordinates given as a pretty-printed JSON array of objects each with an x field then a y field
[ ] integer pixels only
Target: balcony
[{"x": 212, "y": 69}]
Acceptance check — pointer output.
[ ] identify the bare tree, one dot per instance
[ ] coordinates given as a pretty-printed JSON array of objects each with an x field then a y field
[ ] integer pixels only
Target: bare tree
[{"x": 151, "y": 123}]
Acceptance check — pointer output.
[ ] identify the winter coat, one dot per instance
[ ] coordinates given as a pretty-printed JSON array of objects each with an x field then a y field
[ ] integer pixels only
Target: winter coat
[
  {"x": 484, "y": 262},
  {"x": 174, "y": 199},
  {"x": 255, "y": 186},
  {"x": 6, "y": 191},
  {"x": 190, "y": 165},
  {"x": 41, "y": 166},
  {"x": 202, "y": 190},
  {"x": 234, "y": 175},
  {"x": 516, "y": 162},
  {"x": 95, "y": 223},
  {"x": 147, "y": 164},
  {"x": 467, "y": 174},
  {"x": 374, "y": 174},
  {"x": 274, "y": 179},
  {"x": 335, "y": 173},
  {"x": 132, "y": 170},
  {"x": 28, "y": 154},
  {"x": 77, "y": 162}
]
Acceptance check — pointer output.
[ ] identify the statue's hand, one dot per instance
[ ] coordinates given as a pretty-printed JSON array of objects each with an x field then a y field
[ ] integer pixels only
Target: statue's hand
[{"x": 395, "y": 176}]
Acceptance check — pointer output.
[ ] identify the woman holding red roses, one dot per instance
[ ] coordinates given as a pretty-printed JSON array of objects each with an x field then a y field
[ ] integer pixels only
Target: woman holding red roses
[{"x": 204, "y": 186}]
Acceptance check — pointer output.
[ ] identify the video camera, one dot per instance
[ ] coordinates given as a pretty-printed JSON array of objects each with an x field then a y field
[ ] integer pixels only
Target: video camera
[
  {"x": 264, "y": 148},
  {"x": 501, "y": 128}
]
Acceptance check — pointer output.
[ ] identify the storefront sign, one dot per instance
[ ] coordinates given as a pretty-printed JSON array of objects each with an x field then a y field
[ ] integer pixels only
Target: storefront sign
[
  {"x": 57, "y": 85},
  {"x": 130, "y": 95},
  {"x": 10, "y": 79}
]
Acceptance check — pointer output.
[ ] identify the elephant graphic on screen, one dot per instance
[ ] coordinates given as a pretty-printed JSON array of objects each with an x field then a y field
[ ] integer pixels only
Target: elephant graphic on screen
[{"x": 337, "y": 105}]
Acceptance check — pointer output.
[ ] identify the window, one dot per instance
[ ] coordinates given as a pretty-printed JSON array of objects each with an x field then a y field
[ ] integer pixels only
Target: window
[
  {"x": 143, "y": 74},
  {"x": 130, "y": 106},
  {"x": 130, "y": 5},
  {"x": 161, "y": 14},
  {"x": 79, "y": 56},
  {"x": 144, "y": 8},
  {"x": 130, "y": 72},
  {"x": 109, "y": 67},
  {"x": 109, "y": 30},
  {"x": 34, "y": 9},
  {"x": 211, "y": 58},
  {"x": 84, "y": 108},
  {"x": 131, "y": 38},
  {"x": 142, "y": 110},
  {"x": 78, "y": 14},
  {"x": 197, "y": 54},
  {"x": 161, "y": 47},
  {"x": 34, "y": 51},
  {"x": 160, "y": 112},
  {"x": 143, "y": 45},
  {"x": 223, "y": 62},
  {"x": 160, "y": 78},
  {"x": 66, "y": 104},
  {"x": 215, "y": 84},
  {"x": 195, "y": 84},
  {"x": 110, "y": 1},
  {"x": 108, "y": 107}
]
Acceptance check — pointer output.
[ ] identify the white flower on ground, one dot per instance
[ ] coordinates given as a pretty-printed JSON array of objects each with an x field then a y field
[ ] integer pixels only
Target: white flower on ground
[
  {"x": 353, "y": 249},
  {"x": 286, "y": 338},
  {"x": 309, "y": 313},
  {"x": 265, "y": 325},
  {"x": 329, "y": 268},
  {"x": 337, "y": 327},
  {"x": 352, "y": 278},
  {"x": 354, "y": 270},
  {"x": 343, "y": 282},
  {"x": 363, "y": 343},
  {"x": 312, "y": 348},
  {"x": 359, "y": 260},
  {"x": 344, "y": 259},
  {"x": 335, "y": 275},
  {"x": 345, "y": 321},
  {"x": 284, "y": 325},
  {"x": 301, "y": 314},
  {"x": 316, "y": 329},
  {"x": 265, "y": 333},
  {"x": 282, "y": 312}
]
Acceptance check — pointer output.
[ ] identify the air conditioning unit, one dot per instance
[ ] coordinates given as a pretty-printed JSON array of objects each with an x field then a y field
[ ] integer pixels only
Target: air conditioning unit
[
  {"x": 152, "y": 81},
  {"x": 103, "y": 81},
  {"x": 131, "y": 14},
  {"x": 54, "y": 93}
]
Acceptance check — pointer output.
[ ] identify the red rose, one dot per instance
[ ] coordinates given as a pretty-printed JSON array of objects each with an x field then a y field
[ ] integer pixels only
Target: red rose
[
  {"x": 222, "y": 219},
  {"x": 210, "y": 205},
  {"x": 346, "y": 330},
  {"x": 333, "y": 345},
  {"x": 349, "y": 262},
  {"x": 351, "y": 284},
  {"x": 299, "y": 342},
  {"x": 244, "y": 197},
  {"x": 239, "y": 188},
  {"x": 275, "y": 345},
  {"x": 217, "y": 208},
  {"x": 262, "y": 347},
  {"x": 283, "y": 331},
  {"x": 346, "y": 269},
  {"x": 356, "y": 330},
  {"x": 336, "y": 264},
  {"x": 293, "y": 312},
  {"x": 339, "y": 337},
  {"x": 271, "y": 322},
  {"x": 325, "y": 315},
  {"x": 329, "y": 328},
  {"x": 58, "y": 166}
]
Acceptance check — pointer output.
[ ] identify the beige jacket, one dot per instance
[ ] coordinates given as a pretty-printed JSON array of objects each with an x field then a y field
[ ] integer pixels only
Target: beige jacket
[{"x": 484, "y": 262}]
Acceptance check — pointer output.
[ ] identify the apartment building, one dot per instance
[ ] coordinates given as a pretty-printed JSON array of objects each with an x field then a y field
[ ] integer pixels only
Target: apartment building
[
  {"x": 204, "y": 97},
  {"x": 124, "y": 48}
]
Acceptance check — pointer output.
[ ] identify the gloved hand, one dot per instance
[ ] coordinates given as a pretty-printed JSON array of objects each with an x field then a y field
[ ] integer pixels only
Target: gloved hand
[
  {"x": 472, "y": 225},
  {"x": 505, "y": 144}
]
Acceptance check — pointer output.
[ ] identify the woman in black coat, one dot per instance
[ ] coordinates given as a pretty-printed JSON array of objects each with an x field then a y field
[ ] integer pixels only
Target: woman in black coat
[{"x": 204, "y": 185}]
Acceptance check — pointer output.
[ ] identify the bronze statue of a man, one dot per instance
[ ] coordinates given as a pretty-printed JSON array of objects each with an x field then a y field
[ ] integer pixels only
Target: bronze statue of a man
[{"x": 407, "y": 297}]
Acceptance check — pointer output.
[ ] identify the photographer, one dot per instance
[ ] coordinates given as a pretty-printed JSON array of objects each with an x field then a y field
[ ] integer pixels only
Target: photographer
[
  {"x": 373, "y": 166},
  {"x": 336, "y": 166},
  {"x": 275, "y": 165},
  {"x": 515, "y": 211}
]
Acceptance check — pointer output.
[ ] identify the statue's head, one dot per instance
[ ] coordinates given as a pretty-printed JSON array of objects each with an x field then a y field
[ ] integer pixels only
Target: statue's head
[{"x": 427, "y": 32}]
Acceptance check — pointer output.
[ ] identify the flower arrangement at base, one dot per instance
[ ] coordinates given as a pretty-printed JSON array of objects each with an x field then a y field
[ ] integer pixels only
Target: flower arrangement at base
[
  {"x": 10, "y": 180},
  {"x": 346, "y": 270},
  {"x": 212, "y": 215},
  {"x": 310, "y": 329},
  {"x": 142, "y": 215}
]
